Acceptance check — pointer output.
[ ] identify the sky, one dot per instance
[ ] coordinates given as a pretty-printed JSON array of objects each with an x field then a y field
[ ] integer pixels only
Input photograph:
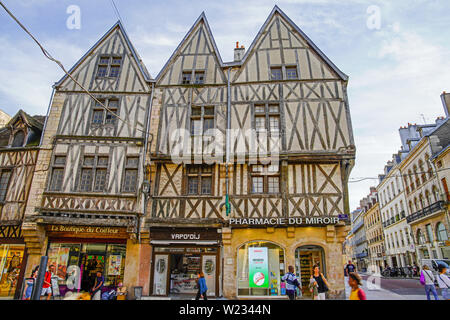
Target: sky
[{"x": 395, "y": 53}]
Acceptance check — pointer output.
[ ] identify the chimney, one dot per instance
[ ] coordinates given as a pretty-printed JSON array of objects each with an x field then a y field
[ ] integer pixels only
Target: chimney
[
  {"x": 238, "y": 52},
  {"x": 445, "y": 97}
]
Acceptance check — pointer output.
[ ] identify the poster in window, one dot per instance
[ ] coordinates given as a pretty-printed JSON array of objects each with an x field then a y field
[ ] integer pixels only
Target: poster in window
[
  {"x": 258, "y": 268},
  {"x": 115, "y": 261}
]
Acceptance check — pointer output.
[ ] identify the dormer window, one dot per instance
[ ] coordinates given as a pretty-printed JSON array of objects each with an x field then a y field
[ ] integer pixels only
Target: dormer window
[{"x": 19, "y": 139}]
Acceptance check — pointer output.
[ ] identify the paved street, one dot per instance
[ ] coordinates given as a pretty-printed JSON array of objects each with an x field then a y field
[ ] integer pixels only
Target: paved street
[{"x": 378, "y": 288}]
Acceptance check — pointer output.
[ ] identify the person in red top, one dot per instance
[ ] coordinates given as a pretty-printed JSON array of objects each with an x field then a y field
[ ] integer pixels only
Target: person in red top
[{"x": 47, "y": 286}]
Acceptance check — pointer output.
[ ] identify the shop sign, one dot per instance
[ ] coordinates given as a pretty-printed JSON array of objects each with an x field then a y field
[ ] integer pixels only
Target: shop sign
[
  {"x": 181, "y": 234},
  {"x": 258, "y": 268},
  {"x": 285, "y": 221},
  {"x": 84, "y": 229},
  {"x": 185, "y": 236}
]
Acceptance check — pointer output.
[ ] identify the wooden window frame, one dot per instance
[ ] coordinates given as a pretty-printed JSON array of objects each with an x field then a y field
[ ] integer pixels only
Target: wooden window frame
[
  {"x": 108, "y": 65},
  {"x": 57, "y": 166},
  {"x": 128, "y": 168},
  {"x": 202, "y": 117},
  {"x": 265, "y": 174},
  {"x": 2, "y": 171},
  {"x": 106, "y": 102},
  {"x": 192, "y": 77},
  {"x": 94, "y": 167},
  {"x": 200, "y": 175}
]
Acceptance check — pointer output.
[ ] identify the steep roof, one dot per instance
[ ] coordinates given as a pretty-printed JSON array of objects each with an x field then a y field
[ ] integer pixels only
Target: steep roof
[
  {"x": 200, "y": 19},
  {"x": 276, "y": 10},
  {"x": 117, "y": 25}
]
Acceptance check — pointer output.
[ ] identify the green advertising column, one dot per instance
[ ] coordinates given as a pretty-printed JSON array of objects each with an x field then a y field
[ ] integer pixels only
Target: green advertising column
[{"x": 258, "y": 268}]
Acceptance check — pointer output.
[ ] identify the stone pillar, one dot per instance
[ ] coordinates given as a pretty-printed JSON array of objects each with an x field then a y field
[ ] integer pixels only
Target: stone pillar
[
  {"x": 145, "y": 258},
  {"x": 402, "y": 260},
  {"x": 131, "y": 278},
  {"x": 229, "y": 265},
  {"x": 36, "y": 244}
]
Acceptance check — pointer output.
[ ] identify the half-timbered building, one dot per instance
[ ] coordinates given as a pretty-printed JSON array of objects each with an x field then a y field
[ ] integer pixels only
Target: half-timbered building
[
  {"x": 85, "y": 202},
  {"x": 19, "y": 147},
  {"x": 249, "y": 160}
]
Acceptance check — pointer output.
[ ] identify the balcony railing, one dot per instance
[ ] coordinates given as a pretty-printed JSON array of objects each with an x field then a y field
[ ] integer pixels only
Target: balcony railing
[{"x": 435, "y": 207}]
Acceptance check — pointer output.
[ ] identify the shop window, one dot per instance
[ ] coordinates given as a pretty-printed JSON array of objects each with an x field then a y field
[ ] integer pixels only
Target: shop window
[
  {"x": 76, "y": 264},
  {"x": 199, "y": 179},
  {"x": 265, "y": 179},
  {"x": 260, "y": 266},
  {"x": 11, "y": 257},
  {"x": 131, "y": 174},
  {"x": 57, "y": 176},
  {"x": 5, "y": 176}
]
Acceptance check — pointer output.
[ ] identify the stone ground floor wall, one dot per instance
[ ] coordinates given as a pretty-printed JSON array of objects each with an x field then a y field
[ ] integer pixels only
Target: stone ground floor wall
[
  {"x": 289, "y": 239},
  {"x": 434, "y": 245}
]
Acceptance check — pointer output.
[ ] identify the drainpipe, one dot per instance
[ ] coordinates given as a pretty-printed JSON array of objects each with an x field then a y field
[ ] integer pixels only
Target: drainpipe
[
  {"x": 227, "y": 156},
  {"x": 46, "y": 117},
  {"x": 146, "y": 194}
]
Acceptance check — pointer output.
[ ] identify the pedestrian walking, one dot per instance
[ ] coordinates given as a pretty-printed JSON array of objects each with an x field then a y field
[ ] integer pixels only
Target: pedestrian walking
[
  {"x": 96, "y": 290},
  {"x": 320, "y": 281},
  {"x": 350, "y": 267},
  {"x": 30, "y": 283},
  {"x": 47, "y": 286},
  {"x": 427, "y": 279},
  {"x": 292, "y": 283},
  {"x": 443, "y": 281},
  {"x": 354, "y": 281},
  {"x": 202, "y": 288}
]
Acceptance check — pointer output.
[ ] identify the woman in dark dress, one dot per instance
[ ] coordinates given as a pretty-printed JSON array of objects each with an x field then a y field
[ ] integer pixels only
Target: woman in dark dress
[{"x": 320, "y": 281}]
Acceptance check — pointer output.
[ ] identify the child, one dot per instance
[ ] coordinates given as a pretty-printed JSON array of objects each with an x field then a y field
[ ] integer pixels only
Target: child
[{"x": 354, "y": 281}]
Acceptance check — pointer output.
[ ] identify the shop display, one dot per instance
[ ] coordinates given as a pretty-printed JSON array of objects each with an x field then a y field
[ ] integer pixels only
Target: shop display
[
  {"x": 10, "y": 262},
  {"x": 115, "y": 262}
]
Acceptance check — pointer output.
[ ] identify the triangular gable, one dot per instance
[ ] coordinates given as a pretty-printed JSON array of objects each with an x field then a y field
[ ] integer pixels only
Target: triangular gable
[
  {"x": 26, "y": 119},
  {"x": 114, "y": 41},
  {"x": 280, "y": 33},
  {"x": 197, "y": 51}
]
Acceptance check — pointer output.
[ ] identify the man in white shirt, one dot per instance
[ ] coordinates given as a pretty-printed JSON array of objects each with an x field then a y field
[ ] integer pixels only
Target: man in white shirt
[{"x": 429, "y": 282}]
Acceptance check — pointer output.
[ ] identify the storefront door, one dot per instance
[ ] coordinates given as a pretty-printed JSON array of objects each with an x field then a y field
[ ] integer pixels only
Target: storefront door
[
  {"x": 176, "y": 272},
  {"x": 305, "y": 258},
  {"x": 160, "y": 274}
]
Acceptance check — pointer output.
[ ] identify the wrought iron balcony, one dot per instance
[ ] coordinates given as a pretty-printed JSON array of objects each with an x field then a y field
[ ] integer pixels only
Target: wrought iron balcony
[{"x": 435, "y": 207}]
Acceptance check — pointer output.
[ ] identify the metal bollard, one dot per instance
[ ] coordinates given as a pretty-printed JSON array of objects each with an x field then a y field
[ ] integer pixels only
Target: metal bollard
[{"x": 37, "y": 288}]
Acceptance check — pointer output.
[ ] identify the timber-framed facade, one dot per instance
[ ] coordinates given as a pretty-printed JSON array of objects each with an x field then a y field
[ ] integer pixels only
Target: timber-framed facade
[
  {"x": 155, "y": 183},
  {"x": 289, "y": 153}
]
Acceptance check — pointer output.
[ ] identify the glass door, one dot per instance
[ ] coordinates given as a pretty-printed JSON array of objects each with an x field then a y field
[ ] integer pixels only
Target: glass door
[
  {"x": 209, "y": 268},
  {"x": 160, "y": 271}
]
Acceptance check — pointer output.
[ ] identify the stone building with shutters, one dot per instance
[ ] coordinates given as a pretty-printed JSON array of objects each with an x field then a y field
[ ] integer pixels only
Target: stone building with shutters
[
  {"x": 85, "y": 203},
  {"x": 19, "y": 148},
  {"x": 249, "y": 162}
]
